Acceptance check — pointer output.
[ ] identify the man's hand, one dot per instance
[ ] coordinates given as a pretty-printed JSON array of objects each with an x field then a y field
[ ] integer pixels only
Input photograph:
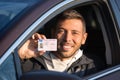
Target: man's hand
[{"x": 29, "y": 48}]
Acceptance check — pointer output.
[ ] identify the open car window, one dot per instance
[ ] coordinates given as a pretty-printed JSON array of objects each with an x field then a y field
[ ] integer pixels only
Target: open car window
[{"x": 95, "y": 44}]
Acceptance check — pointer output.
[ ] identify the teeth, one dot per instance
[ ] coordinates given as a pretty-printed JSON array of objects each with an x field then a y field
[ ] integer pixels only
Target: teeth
[{"x": 67, "y": 46}]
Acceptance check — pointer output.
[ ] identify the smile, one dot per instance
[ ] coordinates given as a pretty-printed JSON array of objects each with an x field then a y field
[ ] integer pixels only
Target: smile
[{"x": 67, "y": 47}]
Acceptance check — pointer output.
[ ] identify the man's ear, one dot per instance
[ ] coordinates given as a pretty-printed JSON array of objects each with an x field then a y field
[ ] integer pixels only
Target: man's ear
[{"x": 84, "y": 38}]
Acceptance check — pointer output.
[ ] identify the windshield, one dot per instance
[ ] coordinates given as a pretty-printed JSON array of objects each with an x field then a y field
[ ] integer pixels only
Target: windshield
[{"x": 11, "y": 8}]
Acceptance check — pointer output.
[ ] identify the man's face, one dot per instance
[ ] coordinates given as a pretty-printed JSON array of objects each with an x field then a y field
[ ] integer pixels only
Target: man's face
[{"x": 70, "y": 35}]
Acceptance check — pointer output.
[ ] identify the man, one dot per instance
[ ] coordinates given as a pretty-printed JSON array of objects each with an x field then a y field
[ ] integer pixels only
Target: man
[{"x": 70, "y": 32}]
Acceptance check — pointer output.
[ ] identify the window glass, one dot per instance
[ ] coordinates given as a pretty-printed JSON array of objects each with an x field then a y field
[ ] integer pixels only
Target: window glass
[
  {"x": 7, "y": 69},
  {"x": 118, "y": 17},
  {"x": 117, "y": 2},
  {"x": 116, "y": 10},
  {"x": 8, "y": 11}
]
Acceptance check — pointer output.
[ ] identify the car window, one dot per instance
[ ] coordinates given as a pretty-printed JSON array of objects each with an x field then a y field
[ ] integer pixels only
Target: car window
[
  {"x": 117, "y": 2},
  {"x": 115, "y": 7},
  {"x": 8, "y": 11},
  {"x": 95, "y": 45},
  {"x": 118, "y": 16}
]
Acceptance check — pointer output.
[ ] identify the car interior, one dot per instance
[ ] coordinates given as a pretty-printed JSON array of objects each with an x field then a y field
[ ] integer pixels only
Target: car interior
[{"x": 95, "y": 46}]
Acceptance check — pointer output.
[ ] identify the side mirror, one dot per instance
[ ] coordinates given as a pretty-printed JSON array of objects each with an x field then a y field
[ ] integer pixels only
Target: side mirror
[{"x": 48, "y": 75}]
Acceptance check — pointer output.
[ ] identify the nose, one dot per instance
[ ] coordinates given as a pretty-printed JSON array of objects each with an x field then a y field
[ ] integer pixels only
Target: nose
[{"x": 68, "y": 37}]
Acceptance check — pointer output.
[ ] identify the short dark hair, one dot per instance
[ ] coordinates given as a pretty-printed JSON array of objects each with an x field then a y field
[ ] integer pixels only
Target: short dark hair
[{"x": 70, "y": 14}]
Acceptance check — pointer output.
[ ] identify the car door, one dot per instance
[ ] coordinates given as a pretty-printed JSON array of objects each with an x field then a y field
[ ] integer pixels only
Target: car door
[{"x": 100, "y": 23}]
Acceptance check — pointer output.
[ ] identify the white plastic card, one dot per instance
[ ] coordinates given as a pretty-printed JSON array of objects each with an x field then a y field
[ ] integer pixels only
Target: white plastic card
[{"x": 47, "y": 44}]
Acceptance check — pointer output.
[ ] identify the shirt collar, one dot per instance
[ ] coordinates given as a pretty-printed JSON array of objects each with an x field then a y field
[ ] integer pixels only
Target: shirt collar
[
  {"x": 50, "y": 55},
  {"x": 53, "y": 62}
]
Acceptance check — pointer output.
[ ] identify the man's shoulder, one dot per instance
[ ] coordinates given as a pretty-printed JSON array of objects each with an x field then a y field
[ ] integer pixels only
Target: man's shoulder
[
  {"x": 96, "y": 60},
  {"x": 85, "y": 59}
]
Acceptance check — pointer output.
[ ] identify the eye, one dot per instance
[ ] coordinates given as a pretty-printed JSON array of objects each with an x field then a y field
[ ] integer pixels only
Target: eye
[
  {"x": 60, "y": 31},
  {"x": 75, "y": 32}
]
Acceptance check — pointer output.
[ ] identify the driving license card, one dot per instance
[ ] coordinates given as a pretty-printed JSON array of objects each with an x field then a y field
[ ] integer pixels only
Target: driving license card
[{"x": 47, "y": 44}]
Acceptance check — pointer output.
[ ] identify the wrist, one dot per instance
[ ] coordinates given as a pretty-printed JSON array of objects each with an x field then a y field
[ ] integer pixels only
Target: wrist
[{"x": 21, "y": 54}]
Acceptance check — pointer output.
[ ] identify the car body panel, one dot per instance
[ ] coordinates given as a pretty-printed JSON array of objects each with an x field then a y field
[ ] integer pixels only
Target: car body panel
[{"x": 108, "y": 74}]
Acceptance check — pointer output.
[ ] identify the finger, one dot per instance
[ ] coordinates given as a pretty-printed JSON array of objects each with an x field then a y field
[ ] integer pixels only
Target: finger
[
  {"x": 40, "y": 36},
  {"x": 43, "y": 36},
  {"x": 42, "y": 52},
  {"x": 33, "y": 36},
  {"x": 36, "y": 36}
]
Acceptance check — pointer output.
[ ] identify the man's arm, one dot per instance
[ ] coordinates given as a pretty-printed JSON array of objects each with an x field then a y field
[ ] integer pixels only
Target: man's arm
[{"x": 29, "y": 48}]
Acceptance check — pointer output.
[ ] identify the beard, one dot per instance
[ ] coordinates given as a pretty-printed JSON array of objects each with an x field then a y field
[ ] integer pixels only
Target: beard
[{"x": 65, "y": 54}]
